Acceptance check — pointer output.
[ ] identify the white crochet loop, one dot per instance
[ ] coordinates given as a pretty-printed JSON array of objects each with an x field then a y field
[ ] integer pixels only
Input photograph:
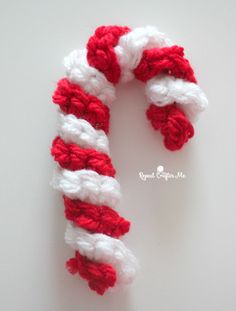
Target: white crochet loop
[
  {"x": 164, "y": 90},
  {"x": 130, "y": 48},
  {"x": 87, "y": 185},
  {"x": 93, "y": 81},
  {"x": 82, "y": 133},
  {"x": 102, "y": 248}
]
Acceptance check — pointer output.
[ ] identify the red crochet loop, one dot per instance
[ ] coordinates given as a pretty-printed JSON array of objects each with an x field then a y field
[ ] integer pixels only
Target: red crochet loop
[
  {"x": 172, "y": 123},
  {"x": 73, "y": 157},
  {"x": 101, "y": 53},
  {"x": 99, "y": 276},
  {"x": 100, "y": 219},
  {"x": 169, "y": 60},
  {"x": 73, "y": 99}
]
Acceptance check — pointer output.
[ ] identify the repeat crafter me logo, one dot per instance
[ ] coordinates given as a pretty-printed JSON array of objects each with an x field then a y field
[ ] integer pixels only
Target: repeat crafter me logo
[{"x": 161, "y": 174}]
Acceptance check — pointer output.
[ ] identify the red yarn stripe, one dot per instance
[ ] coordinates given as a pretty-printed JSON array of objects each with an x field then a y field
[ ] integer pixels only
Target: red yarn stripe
[
  {"x": 172, "y": 123},
  {"x": 101, "y": 53},
  {"x": 100, "y": 219},
  {"x": 72, "y": 99},
  {"x": 99, "y": 276},
  {"x": 73, "y": 157},
  {"x": 169, "y": 60}
]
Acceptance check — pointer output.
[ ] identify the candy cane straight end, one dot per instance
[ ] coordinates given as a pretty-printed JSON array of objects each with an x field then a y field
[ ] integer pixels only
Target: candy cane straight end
[{"x": 85, "y": 174}]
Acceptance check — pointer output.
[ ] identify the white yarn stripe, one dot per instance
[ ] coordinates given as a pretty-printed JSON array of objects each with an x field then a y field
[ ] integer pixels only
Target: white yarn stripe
[
  {"x": 89, "y": 78},
  {"x": 163, "y": 90},
  {"x": 87, "y": 185},
  {"x": 130, "y": 48},
  {"x": 105, "y": 249},
  {"x": 82, "y": 133}
]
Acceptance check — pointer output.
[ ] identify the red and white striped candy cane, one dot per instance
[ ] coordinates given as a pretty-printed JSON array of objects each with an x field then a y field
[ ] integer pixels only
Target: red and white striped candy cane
[{"x": 85, "y": 174}]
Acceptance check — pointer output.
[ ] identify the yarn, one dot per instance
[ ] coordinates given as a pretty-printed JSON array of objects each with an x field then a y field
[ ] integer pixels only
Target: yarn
[
  {"x": 168, "y": 60},
  {"x": 74, "y": 100},
  {"x": 85, "y": 174},
  {"x": 173, "y": 124},
  {"x": 95, "y": 218},
  {"x": 103, "y": 248},
  {"x": 81, "y": 132},
  {"x": 99, "y": 276},
  {"x": 73, "y": 157},
  {"x": 101, "y": 53},
  {"x": 89, "y": 78},
  {"x": 130, "y": 47},
  {"x": 87, "y": 185},
  {"x": 163, "y": 90}
]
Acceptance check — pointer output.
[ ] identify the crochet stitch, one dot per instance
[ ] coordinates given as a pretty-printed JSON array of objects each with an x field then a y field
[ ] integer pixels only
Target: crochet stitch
[{"x": 85, "y": 174}]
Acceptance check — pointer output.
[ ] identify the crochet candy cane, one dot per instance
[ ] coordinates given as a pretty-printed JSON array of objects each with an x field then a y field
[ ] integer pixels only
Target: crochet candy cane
[{"x": 85, "y": 174}]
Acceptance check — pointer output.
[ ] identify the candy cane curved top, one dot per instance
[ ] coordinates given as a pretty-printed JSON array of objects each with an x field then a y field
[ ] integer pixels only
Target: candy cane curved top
[{"x": 85, "y": 174}]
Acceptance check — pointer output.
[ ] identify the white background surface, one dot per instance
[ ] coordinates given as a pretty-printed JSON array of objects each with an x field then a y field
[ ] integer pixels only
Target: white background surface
[{"x": 184, "y": 231}]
